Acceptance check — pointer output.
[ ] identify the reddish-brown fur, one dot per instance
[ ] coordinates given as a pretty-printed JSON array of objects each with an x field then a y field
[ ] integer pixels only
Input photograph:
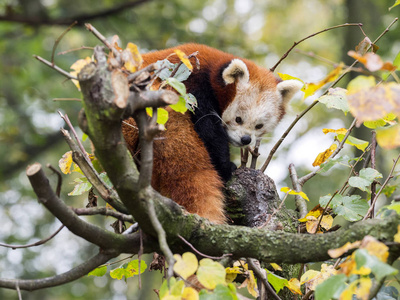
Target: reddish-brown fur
[{"x": 182, "y": 168}]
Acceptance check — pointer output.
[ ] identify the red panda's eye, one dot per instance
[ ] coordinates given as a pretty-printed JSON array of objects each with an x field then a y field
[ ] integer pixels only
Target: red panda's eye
[
  {"x": 239, "y": 120},
  {"x": 259, "y": 126}
]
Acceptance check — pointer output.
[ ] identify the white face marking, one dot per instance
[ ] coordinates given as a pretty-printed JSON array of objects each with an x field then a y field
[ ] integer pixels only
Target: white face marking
[{"x": 253, "y": 113}]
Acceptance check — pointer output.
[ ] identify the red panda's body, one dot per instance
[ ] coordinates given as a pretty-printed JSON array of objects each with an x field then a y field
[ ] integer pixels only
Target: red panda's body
[{"x": 237, "y": 103}]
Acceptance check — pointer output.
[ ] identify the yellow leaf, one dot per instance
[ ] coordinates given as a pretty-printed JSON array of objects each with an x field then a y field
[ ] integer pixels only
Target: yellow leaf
[
  {"x": 77, "y": 67},
  {"x": 363, "y": 288},
  {"x": 335, "y": 253},
  {"x": 210, "y": 273},
  {"x": 289, "y": 77},
  {"x": 291, "y": 192},
  {"x": 190, "y": 293},
  {"x": 375, "y": 248},
  {"x": 337, "y": 131},
  {"x": 65, "y": 163},
  {"x": 183, "y": 58},
  {"x": 348, "y": 266},
  {"x": 363, "y": 271},
  {"x": 389, "y": 138},
  {"x": 177, "y": 288},
  {"x": 397, "y": 235},
  {"x": 132, "y": 58},
  {"x": 276, "y": 267},
  {"x": 347, "y": 294},
  {"x": 185, "y": 265},
  {"x": 326, "y": 222},
  {"x": 309, "y": 275},
  {"x": 315, "y": 212},
  {"x": 231, "y": 273},
  {"x": 323, "y": 156},
  {"x": 310, "y": 88},
  {"x": 252, "y": 285},
  {"x": 313, "y": 278},
  {"x": 294, "y": 286}
]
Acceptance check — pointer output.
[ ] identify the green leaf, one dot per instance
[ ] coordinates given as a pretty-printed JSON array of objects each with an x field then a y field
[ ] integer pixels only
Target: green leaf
[
  {"x": 352, "y": 208},
  {"x": 128, "y": 270},
  {"x": 379, "y": 268},
  {"x": 82, "y": 186},
  {"x": 210, "y": 273},
  {"x": 100, "y": 271},
  {"x": 337, "y": 99},
  {"x": 220, "y": 292},
  {"x": 365, "y": 178},
  {"x": 331, "y": 288},
  {"x": 118, "y": 273},
  {"x": 389, "y": 190},
  {"x": 327, "y": 165},
  {"x": 375, "y": 124},
  {"x": 177, "y": 85},
  {"x": 276, "y": 281},
  {"x": 133, "y": 267},
  {"x": 162, "y": 116},
  {"x": 84, "y": 137},
  {"x": 323, "y": 201},
  {"x": 180, "y": 106},
  {"x": 359, "y": 144},
  {"x": 393, "y": 206}
]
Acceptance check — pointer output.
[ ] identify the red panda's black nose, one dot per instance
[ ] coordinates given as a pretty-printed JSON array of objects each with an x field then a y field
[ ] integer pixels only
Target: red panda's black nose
[{"x": 246, "y": 139}]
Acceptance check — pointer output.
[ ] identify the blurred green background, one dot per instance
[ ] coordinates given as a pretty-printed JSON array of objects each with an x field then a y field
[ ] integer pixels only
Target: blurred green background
[{"x": 261, "y": 30}]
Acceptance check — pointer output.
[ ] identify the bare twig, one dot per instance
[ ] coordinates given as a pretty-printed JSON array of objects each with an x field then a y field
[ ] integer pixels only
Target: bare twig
[
  {"x": 59, "y": 39},
  {"x": 58, "y": 69},
  {"x": 254, "y": 154},
  {"x": 162, "y": 239},
  {"x": 244, "y": 157},
  {"x": 76, "y": 49},
  {"x": 103, "y": 211},
  {"x": 199, "y": 253},
  {"x": 310, "y": 36},
  {"x": 66, "y": 120},
  {"x": 301, "y": 203},
  {"x": 257, "y": 270},
  {"x": 38, "y": 243},
  {"x": 323, "y": 212},
  {"x": 103, "y": 39},
  {"x": 390, "y": 176},
  {"x": 59, "y": 181}
]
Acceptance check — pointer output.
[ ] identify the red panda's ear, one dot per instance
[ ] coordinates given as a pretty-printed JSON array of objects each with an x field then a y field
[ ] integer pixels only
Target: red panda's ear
[
  {"x": 236, "y": 71},
  {"x": 288, "y": 88}
]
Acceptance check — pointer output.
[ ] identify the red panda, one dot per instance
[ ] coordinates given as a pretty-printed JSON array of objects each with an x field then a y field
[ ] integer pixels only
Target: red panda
[{"x": 238, "y": 102}]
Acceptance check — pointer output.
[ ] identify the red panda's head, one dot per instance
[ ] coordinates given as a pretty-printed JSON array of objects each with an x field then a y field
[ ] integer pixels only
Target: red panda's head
[{"x": 258, "y": 104}]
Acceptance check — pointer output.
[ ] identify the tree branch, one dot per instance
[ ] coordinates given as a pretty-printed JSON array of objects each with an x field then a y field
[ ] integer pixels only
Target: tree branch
[
  {"x": 81, "y": 19},
  {"x": 71, "y": 275},
  {"x": 100, "y": 237}
]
